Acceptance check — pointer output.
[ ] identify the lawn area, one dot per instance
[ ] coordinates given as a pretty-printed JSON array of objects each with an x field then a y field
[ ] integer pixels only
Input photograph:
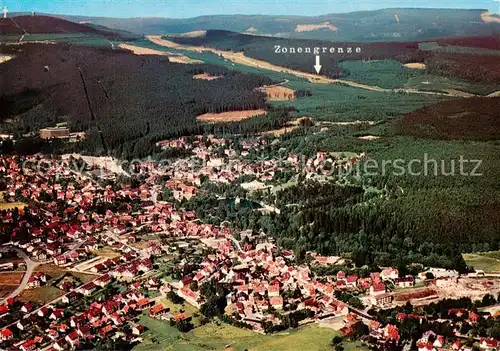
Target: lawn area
[
  {"x": 485, "y": 261},
  {"x": 85, "y": 278},
  {"x": 43, "y": 294},
  {"x": 106, "y": 252},
  {"x": 186, "y": 307},
  {"x": 226, "y": 337},
  {"x": 51, "y": 269},
  {"x": 11, "y": 205}
]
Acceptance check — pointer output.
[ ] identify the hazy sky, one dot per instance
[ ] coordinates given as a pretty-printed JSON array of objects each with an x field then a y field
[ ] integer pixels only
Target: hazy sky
[{"x": 192, "y": 8}]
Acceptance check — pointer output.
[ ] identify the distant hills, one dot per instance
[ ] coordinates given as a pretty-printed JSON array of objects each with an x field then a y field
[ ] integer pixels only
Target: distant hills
[
  {"x": 39, "y": 24},
  {"x": 380, "y": 25}
]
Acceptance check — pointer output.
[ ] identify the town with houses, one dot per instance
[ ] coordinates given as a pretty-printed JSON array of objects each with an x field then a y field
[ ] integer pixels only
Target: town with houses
[{"x": 132, "y": 250}]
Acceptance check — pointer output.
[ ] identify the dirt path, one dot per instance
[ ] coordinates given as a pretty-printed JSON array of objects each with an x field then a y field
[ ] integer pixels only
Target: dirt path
[{"x": 240, "y": 58}]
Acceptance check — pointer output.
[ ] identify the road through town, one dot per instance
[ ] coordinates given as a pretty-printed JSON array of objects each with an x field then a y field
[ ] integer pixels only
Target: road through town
[{"x": 30, "y": 267}]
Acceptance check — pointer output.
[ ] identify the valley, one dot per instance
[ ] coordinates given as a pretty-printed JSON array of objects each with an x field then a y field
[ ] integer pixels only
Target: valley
[{"x": 240, "y": 58}]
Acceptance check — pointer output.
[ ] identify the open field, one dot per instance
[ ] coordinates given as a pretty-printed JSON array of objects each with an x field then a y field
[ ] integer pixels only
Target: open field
[
  {"x": 230, "y": 116},
  {"x": 225, "y": 337},
  {"x": 485, "y": 261},
  {"x": 194, "y": 34},
  {"x": 206, "y": 76},
  {"x": 310, "y": 27},
  {"x": 11, "y": 205},
  {"x": 279, "y": 93},
  {"x": 51, "y": 269},
  {"x": 289, "y": 127},
  {"x": 85, "y": 278},
  {"x": 5, "y": 290},
  {"x": 415, "y": 65},
  {"x": 106, "y": 252},
  {"x": 43, "y": 294},
  {"x": 11, "y": 278}
]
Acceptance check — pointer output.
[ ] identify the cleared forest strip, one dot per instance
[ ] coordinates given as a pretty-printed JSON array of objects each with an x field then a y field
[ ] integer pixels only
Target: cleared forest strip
[
  {"x": 230, "y": 116},
  {"x": 138, "y": 50},
  {"x": 240, "y": 58}
]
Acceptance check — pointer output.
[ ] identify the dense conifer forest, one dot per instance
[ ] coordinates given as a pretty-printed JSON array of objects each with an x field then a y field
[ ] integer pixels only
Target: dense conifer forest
[{"x": 135, "y": 100}]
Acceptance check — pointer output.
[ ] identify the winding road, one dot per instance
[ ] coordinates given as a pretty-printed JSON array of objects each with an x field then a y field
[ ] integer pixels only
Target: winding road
[{"x": 30, "y": 267}]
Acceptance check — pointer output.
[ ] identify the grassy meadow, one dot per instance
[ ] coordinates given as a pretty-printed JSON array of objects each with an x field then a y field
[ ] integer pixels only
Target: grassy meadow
[
  {"x": 225, "y": 337},
  {"x": 485, "y": 261}
]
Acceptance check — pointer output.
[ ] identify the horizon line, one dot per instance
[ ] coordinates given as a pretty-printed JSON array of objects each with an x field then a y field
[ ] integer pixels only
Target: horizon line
[{"x": 250, "y": 15}]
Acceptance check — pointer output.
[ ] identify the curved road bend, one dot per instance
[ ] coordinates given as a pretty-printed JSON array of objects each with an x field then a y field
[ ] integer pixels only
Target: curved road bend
[{"x": 30, "y": 267}]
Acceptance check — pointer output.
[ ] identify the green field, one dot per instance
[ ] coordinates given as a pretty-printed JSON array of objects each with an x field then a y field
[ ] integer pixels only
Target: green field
[
  {"x": 388, "y": 74},
  {"x": 485, "y": 261},
  {"x": 336, "y": 102},
  {"x": 185, "y": 307},
  {"x": 220, "y": 337}
]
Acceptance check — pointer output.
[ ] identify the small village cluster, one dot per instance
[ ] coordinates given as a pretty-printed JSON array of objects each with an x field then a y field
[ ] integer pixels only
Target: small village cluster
[{"x": 68, "y": 218}]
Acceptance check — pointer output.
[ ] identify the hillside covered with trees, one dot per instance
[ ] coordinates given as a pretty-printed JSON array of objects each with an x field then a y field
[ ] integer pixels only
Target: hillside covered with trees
[
  {"x": 471, "y": 119},
  {"x": 381, "y": 25},
  {"x": 135, "y": 100}
]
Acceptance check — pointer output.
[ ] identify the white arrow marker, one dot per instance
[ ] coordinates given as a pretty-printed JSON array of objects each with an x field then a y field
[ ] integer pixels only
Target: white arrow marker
[{"x": 317, "y": 66}]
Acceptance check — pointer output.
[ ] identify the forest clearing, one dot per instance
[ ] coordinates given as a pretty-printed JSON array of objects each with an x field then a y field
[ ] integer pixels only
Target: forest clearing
[
  {"x": 415, "y": 65},
  {"x": 206, "y": 76},
  {"x": 289, "y": 127},
  {"x": 279, "y": 93},
  {"x": 310, "y": 27},
  {"x": 138, "y": 50},
  {"x": 230, "y": 116}
]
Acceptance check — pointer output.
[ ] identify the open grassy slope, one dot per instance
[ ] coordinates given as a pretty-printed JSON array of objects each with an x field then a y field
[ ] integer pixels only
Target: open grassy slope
[{"x": 225, "y": 337}]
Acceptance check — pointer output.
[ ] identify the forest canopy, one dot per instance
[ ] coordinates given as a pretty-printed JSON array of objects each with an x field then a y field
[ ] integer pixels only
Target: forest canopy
[{"x": 134, "y": 100}]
